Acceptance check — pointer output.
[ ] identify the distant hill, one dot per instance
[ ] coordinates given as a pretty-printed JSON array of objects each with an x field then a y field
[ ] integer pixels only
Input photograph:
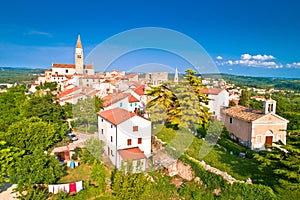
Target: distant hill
[
  {"x": 18, "y": 74},
  {"x": 260, "y": 82}
]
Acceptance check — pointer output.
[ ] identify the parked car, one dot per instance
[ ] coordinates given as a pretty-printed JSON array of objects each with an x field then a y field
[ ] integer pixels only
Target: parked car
[
  {"x": 73, "y": 137},
  {"x": 69, "y": 132}
]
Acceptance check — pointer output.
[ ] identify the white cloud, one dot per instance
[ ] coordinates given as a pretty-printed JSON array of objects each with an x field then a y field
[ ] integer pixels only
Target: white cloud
[
  {"x": 246, "y": 56},
  {"x": 293, "y": 65},
  {"x": 263, "y": 57},
  {"x": 219, "y": 57},
  {"x": 258, "y": 60}
]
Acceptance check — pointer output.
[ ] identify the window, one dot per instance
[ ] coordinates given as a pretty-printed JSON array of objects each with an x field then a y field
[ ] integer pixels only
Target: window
[
  {"x": 102, "y": 120},
  {"x": 258, "y": 139},
  {"x": 230, "y": 120},
  {"x": 129, "y": 142},
  {"x": 86, "y": 71},
  {"x": 130, "y": 104},
  {"x": 121, "y": 104},
  {"x": 278, "y": 137},
  {"x": 102, "y": 131},
  {"x": 67, "y": 71},
  {"x": 135, "y": 128},
  {"x": 111, "y": 126},
  {"x": 135, "y": 104},
  {"x": 78, "y": 56},
  {"x": 112, "y": 153},
  {"x": 111, "y": 138},
  {"x": 139, "y": 140}
]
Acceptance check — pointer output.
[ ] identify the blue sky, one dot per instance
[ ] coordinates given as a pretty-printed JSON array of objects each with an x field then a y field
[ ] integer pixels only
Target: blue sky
[{"x": 258, "y": 38}]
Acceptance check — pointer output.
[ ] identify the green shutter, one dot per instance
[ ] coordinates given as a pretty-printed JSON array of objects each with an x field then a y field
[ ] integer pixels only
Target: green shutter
[{"x": 120, "y": 104}]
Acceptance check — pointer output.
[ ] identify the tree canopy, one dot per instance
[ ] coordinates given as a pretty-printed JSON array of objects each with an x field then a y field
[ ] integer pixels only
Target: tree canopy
[{"x": 182, "y": 103}]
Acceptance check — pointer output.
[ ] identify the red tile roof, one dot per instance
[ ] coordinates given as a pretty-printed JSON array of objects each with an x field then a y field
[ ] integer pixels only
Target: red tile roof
[
  {"x": 68, "y": 92},
  {"x": 113, "y": 98},
  {"x": 116, "y": 115},
  {"x": 63, "y": 65},
  {"x": 130, "y": 76},
  {"x": 132, "y": 99},
  {"x": 211, "y": 90},
  {"x": 140, "y": 90},
  {"x": 243, "y": 113},
  {"x": 88, "y": 66},
  {"x": 132, "y": 154}
]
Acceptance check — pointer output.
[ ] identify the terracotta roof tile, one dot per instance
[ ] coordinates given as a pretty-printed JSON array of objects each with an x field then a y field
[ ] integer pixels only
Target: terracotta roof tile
[
  {"x": 116, "y": 115},
  {"x": 54, "y": 65},
  {"x": 132, "y": 99},
  {"x": 113, "y": 98},
  {"x": 211, "y": 90},
  {"x": 244, "y": 113},
  {"x": 132, "y": 154},
  {"x": 130, "y": 76},
  {"x": 88, "y": 66},
  {"x": 68, "y": 92}
]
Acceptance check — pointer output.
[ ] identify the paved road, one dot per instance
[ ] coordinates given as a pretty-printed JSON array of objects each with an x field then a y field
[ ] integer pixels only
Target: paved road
[{"x": 84, "y": 136}]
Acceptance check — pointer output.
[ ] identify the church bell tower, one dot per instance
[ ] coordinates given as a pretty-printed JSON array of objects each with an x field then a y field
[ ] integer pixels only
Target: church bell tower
[{"x": 79, "y": 57}]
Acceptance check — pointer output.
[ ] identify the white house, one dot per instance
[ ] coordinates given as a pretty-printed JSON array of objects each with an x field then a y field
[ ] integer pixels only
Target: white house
[
  {"x": 127, "y": 137},
  {"x": 218, "y": 98}
]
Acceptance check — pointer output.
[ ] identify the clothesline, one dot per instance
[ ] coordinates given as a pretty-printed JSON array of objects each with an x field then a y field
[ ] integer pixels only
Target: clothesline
[{"x": 67, "y": 187}]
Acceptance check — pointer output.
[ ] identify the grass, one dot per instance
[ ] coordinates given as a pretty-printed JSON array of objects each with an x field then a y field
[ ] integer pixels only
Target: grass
[
  {"x": 82, "y": 172},
  {"x": 216, "y": 157}
]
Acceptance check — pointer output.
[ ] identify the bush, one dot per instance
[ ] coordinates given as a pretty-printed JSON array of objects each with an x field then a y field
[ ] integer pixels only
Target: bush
[
  {"x": 228, "y": 191},
  {"x": 235, "y": 148}
]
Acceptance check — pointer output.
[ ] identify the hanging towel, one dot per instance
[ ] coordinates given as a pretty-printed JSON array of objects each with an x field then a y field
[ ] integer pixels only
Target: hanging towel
[
  {"x": 79, "y": 186},
  {"x": 72, "y": 188},
  {"x": 51, "y": 188},
  {"x": 66, "y": 188},
  {"x": 55, "y": 189}
]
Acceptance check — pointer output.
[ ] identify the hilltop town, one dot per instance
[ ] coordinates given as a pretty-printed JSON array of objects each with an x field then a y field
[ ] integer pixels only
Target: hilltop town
[{"x": 126, "y": 136}]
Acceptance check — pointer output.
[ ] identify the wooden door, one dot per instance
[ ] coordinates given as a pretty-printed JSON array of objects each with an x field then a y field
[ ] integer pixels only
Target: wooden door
[{"x": 269, "y": 140}]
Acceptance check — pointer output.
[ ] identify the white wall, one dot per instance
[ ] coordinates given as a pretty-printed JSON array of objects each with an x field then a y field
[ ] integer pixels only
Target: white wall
[
  {"x": 218, "y": 101},
  {"x": 62, "y": 71},
  {"x": 122, "y": 133}
]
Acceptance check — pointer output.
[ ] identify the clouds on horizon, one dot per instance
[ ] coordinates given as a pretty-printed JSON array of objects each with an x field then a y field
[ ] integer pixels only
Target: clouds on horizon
[{"x": 259, "y": 60}]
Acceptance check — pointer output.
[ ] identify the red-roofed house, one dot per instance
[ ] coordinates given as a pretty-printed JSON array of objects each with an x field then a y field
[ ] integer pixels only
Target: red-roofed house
[
  {"x": 255, "y": 128},
  {"x": 218, "y": 98},
  {"x": 127, "y": 137}
]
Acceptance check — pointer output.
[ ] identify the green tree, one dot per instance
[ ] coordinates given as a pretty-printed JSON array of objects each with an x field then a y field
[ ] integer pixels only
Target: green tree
[
  {"x": 52, "y": 86},
  {"x": 183, "y": 103},
  {"x": 10, "y": 102},
  {"x": 214, "y": 131},
  {"x": 85, "y": 114},
  {"x": 131, "y": 186},
  {"x": 99, "y": 174},
  {"x": 44, "y": 107},
  {"x": 36, "y": 168},
  {"x": 245, "y": 98},
  {"x": 95, "y": 147},
  {"x": 8, "y": 157},
  {"x": 285, "y": 165},
  {"x": 31, "y": 134}
]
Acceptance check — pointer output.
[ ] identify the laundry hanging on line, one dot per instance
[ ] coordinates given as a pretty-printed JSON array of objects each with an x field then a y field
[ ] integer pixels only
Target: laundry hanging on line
[{"x": 67, "y": 187}]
